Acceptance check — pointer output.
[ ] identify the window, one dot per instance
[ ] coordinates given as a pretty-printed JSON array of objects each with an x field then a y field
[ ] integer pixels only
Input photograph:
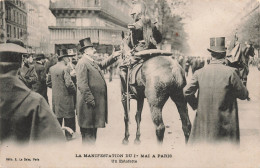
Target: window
[
  {"x": 14, "y": 16},
  {"x": 21, "y": 19},
  {"x": 18, "y": 35},
  {"x": 21, "y": 33},
  {"x": 18, "y": 18},
  {"x": 8, "y": 31},
  {"x": 14, "y": 32}
]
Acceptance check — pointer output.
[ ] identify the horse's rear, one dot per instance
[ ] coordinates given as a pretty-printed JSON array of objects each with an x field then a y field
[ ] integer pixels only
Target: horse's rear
[{"x": 162, "y": 78}]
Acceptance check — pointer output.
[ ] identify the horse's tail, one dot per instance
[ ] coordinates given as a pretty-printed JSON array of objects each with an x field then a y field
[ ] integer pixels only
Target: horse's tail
[{"x": 178, "y": 75}]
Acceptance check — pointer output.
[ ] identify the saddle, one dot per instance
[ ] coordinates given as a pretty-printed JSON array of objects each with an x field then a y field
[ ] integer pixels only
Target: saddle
[{"x": 143, "y": 56}]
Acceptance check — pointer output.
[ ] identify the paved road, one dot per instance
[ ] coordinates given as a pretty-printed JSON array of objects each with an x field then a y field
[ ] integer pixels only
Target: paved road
[
  {"x": 109, "y": 140},
  {"x": 112, "y": 135}
]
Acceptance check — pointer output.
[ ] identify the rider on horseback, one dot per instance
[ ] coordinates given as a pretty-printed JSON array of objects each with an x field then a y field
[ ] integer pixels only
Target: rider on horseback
[{"x": 143, "y": 35}]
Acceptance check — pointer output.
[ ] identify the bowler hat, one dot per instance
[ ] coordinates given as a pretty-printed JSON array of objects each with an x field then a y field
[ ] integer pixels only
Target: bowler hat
[
  {"x": 66, "y": 53},
  {"x": 217, "y": 45},
  {"x": 85, "y": 43},
  {"x": 12, "y": 51}
]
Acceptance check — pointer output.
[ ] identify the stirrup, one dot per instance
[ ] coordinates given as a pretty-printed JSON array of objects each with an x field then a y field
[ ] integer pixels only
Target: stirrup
[{"x": 124, "y": 96}]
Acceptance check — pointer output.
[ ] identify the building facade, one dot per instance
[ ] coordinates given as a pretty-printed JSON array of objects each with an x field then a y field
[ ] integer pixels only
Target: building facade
[
  {"x": 16, "y": 19},
  {"x": 33, "y": 40},
  {"x": 101, "y": 20},
  {"x": 2, "y": 22}
]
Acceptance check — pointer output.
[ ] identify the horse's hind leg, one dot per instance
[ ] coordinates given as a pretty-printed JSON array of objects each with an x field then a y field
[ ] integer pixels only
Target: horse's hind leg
[
  {"x": 183, "y": 111},
  {"x": 140, "y": 103},
  {"x": 158, "y": 122},
  {"x": 156, "y": 102}
]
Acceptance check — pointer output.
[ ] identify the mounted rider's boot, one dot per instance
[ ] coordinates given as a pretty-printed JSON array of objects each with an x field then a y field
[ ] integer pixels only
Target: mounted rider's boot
[{"x": 123, "y": 74}]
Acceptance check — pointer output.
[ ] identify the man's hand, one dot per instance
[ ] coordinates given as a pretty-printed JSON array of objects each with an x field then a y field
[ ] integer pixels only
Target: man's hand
[
  {"x": 73, "y": 73},
  {"x": 130, "y": 26},
  {"x": 92, "y": 103},
  {"x": 116, "y": 54}
]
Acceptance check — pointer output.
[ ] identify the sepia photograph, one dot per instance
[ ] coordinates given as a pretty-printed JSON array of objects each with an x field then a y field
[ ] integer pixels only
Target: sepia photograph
[{"x": 129, "y": 83}]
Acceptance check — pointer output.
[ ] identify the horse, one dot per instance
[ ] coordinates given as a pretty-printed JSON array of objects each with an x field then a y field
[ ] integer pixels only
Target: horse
[
  {"x": 158, "y": 79},
  {"x": 239, "y": 59}
]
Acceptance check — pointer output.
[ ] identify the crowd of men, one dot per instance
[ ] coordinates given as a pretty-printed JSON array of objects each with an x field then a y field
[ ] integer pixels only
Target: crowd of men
[
  {"x": 27, "y": 117},
  {"x": 78, "y": 85}
]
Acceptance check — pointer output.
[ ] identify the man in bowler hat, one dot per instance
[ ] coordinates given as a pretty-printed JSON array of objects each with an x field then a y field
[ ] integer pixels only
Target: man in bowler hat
[
  {"x": 25, "y": 115},
  {"x": 63, "y": 91},
  {"x": 218, "y": 87},
  {"x": 92, "y": 92}
]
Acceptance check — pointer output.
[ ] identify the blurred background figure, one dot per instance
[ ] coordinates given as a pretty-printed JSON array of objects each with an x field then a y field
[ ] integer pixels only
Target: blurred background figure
[{"x": 40, "y": 85}]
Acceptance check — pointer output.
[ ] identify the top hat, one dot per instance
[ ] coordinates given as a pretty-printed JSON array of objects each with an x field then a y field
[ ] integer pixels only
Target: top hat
[
  {"x": 39, "y": 56},
  {"x": 66, "y": 53},
  {"x": 12, "y": 51},
  {"x": 85, "y": 43},
  {"x": 217, "y": 45}
]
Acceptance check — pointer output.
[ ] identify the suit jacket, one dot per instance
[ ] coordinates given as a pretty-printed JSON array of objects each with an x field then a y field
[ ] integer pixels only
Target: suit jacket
[
  {"x": 92, "y": 86},
  {"x": 217, "y": 112},
  {"x": 40, "y": 85},
  {"x": 25, "y": 115},
  {"x": 63, "y": 90}
]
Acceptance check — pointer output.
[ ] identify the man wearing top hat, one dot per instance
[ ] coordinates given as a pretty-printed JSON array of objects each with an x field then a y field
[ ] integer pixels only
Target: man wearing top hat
[
  {"x": 25, "y": 115},
  {"x": 40, "y": 85},
  {"x": 63, "y": 90},
  {"x": 218, "y": 87},
  {"x": 92, "y": 92}
]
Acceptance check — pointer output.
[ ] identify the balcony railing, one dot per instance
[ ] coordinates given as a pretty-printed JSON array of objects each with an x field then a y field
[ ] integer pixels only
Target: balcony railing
[{"x": 108, "y": 7}]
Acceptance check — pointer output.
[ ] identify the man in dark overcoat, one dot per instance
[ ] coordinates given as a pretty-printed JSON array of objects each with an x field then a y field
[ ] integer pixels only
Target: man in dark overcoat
[
  {"x": 218, "y": 87},
  {"x": 40, "y": 85},
  {"x": 63, "y": 90},
  {"x": 92, "y": 92},
  {"x": 27, "y": 72},
  {"x": 25, "y": 115}
]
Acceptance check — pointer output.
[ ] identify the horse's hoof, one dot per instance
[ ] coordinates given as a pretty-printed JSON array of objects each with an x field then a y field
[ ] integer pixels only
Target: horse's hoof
[
  {"x": 137, "y": 141},
  {"x": 125, "y": 141}
]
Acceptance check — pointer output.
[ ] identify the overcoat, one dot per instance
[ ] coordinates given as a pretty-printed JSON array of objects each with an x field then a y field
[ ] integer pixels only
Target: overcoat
[
  {"x": 91, "y": 85},
  {"x": 63, "y": 90},
  {"x": 25, "y": 116},
  {"x": 217, "y": 112},
  {"x": 40, "y": 86}
]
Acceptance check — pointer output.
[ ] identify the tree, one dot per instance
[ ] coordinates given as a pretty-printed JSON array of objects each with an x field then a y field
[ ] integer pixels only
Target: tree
[
  {"x": 171, "y": 25},
  {"x": 250, "y": 29}
]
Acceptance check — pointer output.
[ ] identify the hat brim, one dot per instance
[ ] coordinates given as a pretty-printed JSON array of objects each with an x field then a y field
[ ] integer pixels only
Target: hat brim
[
  {"x": 12, "y": 48},
  {"x": 210, "y": 50},
  {"x": 80, "y": 50},
  {"x": 66, "y": 56}
]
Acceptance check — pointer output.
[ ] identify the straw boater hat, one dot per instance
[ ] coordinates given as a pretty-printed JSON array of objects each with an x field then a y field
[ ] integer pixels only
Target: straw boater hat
[
  {"x": 12, "y": 51},
  {"x": 85, "y": 43}
]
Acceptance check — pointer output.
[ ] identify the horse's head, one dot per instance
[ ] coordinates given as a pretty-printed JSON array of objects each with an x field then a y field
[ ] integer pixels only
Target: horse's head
[{"x": 251, "y": 51}]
